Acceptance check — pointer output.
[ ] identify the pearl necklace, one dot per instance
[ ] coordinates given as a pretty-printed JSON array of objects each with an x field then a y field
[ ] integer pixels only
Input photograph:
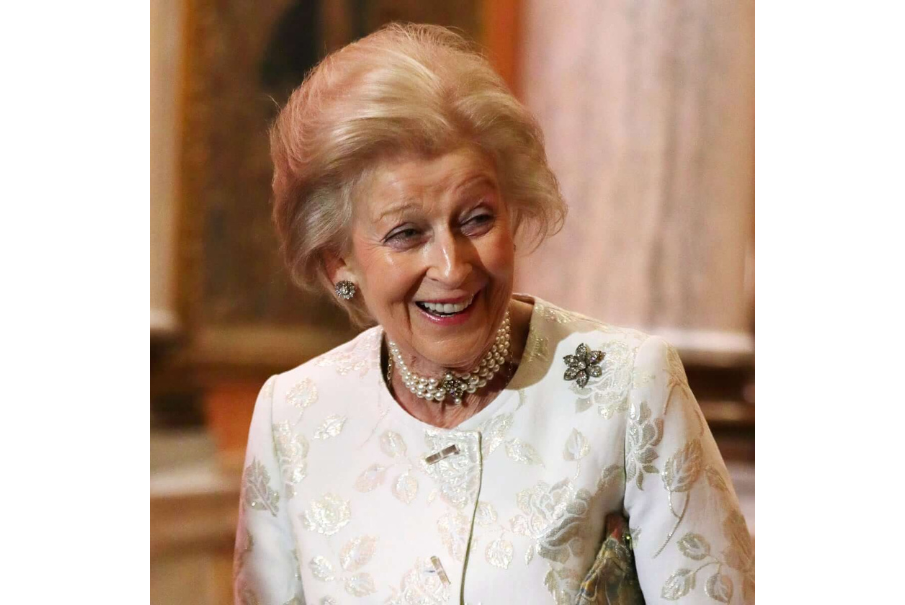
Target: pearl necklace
[{"x": 455, "y": 385}]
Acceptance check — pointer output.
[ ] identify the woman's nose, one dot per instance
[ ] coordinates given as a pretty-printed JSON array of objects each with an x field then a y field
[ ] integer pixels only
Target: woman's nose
[{"x": 450, "y": 260}]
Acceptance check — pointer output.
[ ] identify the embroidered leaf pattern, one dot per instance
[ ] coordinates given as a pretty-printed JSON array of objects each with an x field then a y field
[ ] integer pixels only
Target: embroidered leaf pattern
[
  {"x": 485, "y": 514},
  {"x": 520, "y": 451},
  {"x": 683, "y": 468},
  {"x": 331, "y": 427},
  {"x": 322, "y": 569},
  {"x": 679, "y": 475},
  {"x": 455, "y": 529},
  {"x": 499, "y": 553},
  {"x": 553, "y": 517},
  {"x": 357, "y": 552},
  {"x": 327, "y": 515},
  {"x": 677, "y": 377},
  {"x": 582, "y": 404},
  {"x": 678, "y": 585},
  {"x": 643, "y": 434},
  {"x": 392, "y": 444},
  {"x": 566, "y": 535},
  {"x": 715, "y": 479},
  {"x": 694, "y": 546},
  {"x": 358, "y": 356},
  {"x": 291, "y": 452},
  {"x": 537, "y": 348},
  {"x": 303, "y": 394},
  {"x": 457, "y": 476},
  {"x": 609, "y": 477},
  {"x": 563, "y": 584},
  {"x": 719, "y": 587},
  {"x": 420, "y": 588},
  {"x": 576, "y": 446},
  {"x": 370, "y": 478},
  {"x": 257, "y": 491},
  {"x": 740, "y": 552},
  {"x": 360, "y": 585},
  {"x": 610, "y": 393},
  {"x": 405, "y": 488},
  {"x": 494, "y": 432}
]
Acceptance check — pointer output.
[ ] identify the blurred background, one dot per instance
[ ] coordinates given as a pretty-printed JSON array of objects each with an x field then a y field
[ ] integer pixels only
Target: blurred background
[{"x": 648, "y": 110}]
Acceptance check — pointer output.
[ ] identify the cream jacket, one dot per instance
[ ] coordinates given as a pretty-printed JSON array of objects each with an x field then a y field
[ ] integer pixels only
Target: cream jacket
[{"x": 345, "y": 501}]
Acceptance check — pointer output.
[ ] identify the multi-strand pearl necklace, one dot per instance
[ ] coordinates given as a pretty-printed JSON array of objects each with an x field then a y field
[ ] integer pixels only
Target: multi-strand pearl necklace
[{"x": 455, "y": 385}]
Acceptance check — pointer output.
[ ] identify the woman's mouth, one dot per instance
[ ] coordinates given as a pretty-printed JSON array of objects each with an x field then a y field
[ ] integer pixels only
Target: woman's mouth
[{"x": 445, "y": 309}]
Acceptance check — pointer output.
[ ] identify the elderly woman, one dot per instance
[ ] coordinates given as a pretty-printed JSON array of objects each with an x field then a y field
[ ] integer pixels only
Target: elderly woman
[{"x": 475, "y": 445}]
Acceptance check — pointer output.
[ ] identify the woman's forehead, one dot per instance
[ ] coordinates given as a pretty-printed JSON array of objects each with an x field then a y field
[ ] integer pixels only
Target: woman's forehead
[{"x": 409, "y": 180}]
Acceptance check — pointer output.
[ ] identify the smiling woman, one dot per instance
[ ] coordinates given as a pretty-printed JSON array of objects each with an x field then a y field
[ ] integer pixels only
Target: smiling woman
[
  {"x": 470, "y": 423},
  {"x": 432, "y": 251}
]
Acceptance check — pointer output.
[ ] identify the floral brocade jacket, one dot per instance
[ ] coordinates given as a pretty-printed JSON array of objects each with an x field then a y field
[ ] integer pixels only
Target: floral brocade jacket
[{"x": 346, "y": 498}]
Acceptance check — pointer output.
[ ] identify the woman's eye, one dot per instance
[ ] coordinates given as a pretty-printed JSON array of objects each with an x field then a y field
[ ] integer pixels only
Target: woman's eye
[
  {"x": 402, "y": 235},
  {"x": 478, "y": 222}
]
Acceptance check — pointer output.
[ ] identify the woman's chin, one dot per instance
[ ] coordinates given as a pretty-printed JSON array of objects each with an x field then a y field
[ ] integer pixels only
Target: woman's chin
[{"x": 443, "y": 360}]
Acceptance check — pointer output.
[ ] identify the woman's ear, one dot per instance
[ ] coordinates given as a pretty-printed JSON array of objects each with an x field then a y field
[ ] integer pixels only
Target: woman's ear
[{"x": 338, "y": 269}]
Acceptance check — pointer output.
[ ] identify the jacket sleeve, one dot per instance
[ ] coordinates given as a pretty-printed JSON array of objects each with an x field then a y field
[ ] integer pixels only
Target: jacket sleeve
[
  {"x": 690, "y": 540},
  {"x": 265, "y": 567}
]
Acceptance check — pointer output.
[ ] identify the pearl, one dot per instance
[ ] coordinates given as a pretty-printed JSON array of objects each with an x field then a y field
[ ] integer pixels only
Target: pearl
[{"x": 458, "y": 384}]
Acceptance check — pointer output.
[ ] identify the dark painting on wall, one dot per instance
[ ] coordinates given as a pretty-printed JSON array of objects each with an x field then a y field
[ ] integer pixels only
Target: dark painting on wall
[{"x": 242, "y": 61}]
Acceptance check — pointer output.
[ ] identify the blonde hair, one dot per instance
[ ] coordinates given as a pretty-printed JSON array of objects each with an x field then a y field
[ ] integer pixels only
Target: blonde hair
[{"x": 405, "y": 88}]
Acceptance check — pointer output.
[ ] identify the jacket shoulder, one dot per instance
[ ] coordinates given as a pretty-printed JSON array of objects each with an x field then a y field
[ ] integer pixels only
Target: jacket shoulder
[
  {"x": 344, "y": 364},
  {"x": 572, "y": 325}
]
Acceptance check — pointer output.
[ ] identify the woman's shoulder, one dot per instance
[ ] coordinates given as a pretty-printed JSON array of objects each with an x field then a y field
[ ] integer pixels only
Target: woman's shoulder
[
  {"x": 598, "y": 362},
  {"x": 346, "y": 364},
  {"x": 571, "y": 325},
  {"x": 560, "y": 338}
]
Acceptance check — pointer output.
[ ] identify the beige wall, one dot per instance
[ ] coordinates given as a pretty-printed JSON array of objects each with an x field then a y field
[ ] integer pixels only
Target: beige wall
[
  {"x": 648, "y": 109},
  {"x": 166, "y": 46}
]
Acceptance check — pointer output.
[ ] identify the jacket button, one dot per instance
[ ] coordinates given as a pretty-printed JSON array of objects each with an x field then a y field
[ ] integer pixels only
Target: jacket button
[
  {"x": 446, "y": 452},
  {"x": 438, "y": 567}
]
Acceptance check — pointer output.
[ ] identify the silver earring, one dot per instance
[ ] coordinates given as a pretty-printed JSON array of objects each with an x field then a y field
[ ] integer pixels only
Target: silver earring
[{"x": 345, "y": 290}]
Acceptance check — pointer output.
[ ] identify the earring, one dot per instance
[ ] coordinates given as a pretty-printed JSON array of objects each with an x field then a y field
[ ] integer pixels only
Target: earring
[{"x": 345, "y": 290}]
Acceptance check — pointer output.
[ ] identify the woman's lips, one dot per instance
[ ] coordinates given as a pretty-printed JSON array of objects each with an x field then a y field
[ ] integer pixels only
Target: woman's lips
[{"x": 449, "y": 320}]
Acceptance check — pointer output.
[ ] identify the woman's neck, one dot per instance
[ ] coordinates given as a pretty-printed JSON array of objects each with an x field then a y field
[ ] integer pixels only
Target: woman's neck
[{"x": 446, "y": 415}]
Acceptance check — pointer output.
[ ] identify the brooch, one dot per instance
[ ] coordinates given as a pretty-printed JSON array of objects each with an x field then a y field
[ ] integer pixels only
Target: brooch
[{"x": 583, "y": 365}]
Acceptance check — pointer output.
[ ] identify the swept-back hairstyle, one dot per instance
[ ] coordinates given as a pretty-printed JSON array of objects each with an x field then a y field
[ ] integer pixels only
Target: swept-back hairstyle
[{"x": 404, "y": 88}]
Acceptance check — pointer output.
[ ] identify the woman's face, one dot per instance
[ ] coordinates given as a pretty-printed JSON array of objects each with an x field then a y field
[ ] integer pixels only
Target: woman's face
[{"x": 432, "y": 253}]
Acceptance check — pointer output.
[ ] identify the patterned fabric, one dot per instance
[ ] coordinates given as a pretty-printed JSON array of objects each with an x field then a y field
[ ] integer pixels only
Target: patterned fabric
[
  {"x": 348, "y": 499},
  {"x": 613, "y": 579}
]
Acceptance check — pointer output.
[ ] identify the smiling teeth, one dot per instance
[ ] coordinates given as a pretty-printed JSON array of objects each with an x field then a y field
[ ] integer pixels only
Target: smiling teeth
[{"x": 447, "y": 308}]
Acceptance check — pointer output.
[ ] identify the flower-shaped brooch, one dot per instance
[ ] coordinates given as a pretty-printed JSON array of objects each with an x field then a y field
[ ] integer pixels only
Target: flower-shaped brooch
[{"x": 583, "y": 365}]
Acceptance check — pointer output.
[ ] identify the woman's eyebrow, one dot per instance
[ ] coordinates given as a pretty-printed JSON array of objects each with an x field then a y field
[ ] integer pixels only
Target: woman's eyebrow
[
  {"x": 475, "y": 181},
  {"x": 395, "y": 211}
]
